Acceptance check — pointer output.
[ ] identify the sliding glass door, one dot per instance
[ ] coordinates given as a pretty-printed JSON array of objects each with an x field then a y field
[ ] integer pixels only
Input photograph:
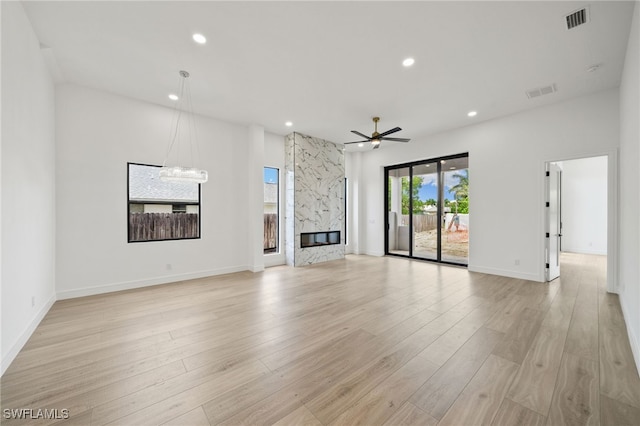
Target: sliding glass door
[
  {"x": 398, "y": 237},
  {"x": 428, "y": 209},
  {"x": 455, "y": 235},
  {"x": 424, "y": 195}
]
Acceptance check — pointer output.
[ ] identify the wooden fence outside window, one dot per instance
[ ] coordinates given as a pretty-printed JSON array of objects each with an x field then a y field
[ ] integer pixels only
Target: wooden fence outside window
[
  {"x": 163, "y": 226},
  {"x": 270, "y": 232}
]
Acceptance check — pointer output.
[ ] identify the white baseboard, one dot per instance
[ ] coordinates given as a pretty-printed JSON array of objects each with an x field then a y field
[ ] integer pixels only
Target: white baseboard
[
  {"x": 506, "y": 273},
  {"x": 584, "y": 251},
  {"x": 634, "y": 342},
  {"x": 274, "y": 260},
  {"x": 128, "y": 285},
  {"x": 26, "y": 334}
]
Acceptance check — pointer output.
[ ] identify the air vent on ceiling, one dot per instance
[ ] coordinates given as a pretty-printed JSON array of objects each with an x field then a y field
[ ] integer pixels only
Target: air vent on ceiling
[
  {"x": 577, "y": 18},
  {"x": 541, "y": 91}
]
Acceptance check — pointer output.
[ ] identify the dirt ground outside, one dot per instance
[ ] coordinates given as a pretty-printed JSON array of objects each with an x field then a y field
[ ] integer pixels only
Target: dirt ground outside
[{"x": 454, "y": 243}]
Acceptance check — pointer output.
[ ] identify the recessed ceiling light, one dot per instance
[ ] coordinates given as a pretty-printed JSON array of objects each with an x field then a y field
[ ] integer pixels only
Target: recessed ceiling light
[
  {"x": 288, "y": 124},
  {"x": 199, "y": 38},
  {"x": 408, "y": 62},
  {"x": 442, "y": 161},
  {"x": 173, "y": 97},
  {"x": 360, "y": 145},
  {"x": 452, "y": 168},
  {"x": 472, "y": 113}
]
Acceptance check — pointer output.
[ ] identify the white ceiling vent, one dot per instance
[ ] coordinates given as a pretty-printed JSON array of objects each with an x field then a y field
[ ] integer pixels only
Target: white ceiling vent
[
  {"x": 577, "y": 18},
  {"x": 541, "y": 91}
]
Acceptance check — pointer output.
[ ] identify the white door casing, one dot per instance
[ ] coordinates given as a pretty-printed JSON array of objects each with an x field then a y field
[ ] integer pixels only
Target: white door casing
[{"x": 553, "y": 224}]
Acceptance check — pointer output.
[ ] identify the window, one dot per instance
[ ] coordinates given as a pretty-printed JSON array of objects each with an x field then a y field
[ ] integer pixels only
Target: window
[
  {"x": 160, "y": 210},
  {"x": 179, "y": 208},
  {"x": 346, "y": 185},
  {"x": 271, "y": 209}
]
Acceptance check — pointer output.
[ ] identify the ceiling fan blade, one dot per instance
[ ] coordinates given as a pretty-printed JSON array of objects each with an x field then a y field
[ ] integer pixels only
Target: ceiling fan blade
[
  {"x": 388, "y": 132},
  {"x": 376, "y": 146},
  {"x": 347, "y": 143},
  {"x": 361, "y": 135},
  {"x": 396, "y": 139}
]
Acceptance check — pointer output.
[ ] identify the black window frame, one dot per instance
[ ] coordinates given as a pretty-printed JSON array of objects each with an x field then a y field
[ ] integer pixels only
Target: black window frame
[
  {"x": 274, "y": 250},
  {"x": 166, "y": 203}
]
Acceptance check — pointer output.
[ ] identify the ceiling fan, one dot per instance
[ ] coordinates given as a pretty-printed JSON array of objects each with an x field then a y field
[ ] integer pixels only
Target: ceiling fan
[{"x": 376, "y": 137}]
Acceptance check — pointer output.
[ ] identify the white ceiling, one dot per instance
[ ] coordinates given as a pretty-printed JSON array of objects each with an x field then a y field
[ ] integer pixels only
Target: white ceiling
[{"x": 330, "y": 66}]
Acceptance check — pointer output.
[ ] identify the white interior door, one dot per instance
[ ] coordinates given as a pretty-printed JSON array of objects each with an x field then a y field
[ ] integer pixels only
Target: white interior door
[{"x": 553, "y": 234}]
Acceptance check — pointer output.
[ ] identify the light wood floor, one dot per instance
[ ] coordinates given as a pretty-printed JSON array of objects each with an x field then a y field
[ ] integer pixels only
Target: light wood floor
[{"x": 365, "y": 340}]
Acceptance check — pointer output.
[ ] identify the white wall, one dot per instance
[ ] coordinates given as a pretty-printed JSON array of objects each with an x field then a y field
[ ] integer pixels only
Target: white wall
[
  {"x": 97, "y": 134},
  {"x": 506, "y": 167},
  {"x": 274, "y": 157},
  {"x": 584, "y": 205},
  {"x": 629, "y": 226},
  {"x": 255, "y": 195},
  {"x": 355, "y": 199},
  {"x": 28, "y": 183}
]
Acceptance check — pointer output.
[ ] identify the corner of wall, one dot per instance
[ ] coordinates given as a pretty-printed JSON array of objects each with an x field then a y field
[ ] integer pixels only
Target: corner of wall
[
  {"x": 634, "y": 340},
  {"x": 28, "y": 97},
  {"x": 15, "y": 348},
  {"x": 628, "y": 243}
]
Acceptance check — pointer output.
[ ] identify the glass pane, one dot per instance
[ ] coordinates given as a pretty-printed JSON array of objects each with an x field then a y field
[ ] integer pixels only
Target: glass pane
[
  {"x": 399, "y": 238},
  {"x": 153, "y": 212},
  {"x": 425, "y": 211},
  {"x": 270, "y": 210},
  {"x": 455, "y": 235}
]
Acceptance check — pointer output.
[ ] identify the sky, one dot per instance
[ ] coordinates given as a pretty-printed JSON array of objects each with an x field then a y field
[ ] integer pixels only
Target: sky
[
  {"x": 430, "y": 189},
  {"x": 270, "y": 175}
]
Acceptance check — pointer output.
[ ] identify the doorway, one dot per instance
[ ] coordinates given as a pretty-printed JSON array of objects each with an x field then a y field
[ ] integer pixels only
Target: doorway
[
  {"x": 427, "y": 205},
  {"x": 577, "y": 208}
]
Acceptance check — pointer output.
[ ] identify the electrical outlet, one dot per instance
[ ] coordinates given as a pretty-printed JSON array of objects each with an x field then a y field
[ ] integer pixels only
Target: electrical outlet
[{"x": 33, "y": 301}]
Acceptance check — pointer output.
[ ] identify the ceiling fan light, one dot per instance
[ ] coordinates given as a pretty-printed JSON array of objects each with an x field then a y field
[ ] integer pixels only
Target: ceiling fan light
[{"x": 375, "y": 142}]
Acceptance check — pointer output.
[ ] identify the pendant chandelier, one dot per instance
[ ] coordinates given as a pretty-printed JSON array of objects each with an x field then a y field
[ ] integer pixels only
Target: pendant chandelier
[{"x": 183, "y": 174}]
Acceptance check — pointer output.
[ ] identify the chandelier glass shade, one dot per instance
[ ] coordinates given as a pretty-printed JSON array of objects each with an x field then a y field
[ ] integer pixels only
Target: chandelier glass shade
[{"x": 183, "y": 174}]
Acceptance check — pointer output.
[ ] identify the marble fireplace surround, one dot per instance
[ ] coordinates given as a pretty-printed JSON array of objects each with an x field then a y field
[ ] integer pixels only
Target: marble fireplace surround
[{"x": 314, "y": 196}]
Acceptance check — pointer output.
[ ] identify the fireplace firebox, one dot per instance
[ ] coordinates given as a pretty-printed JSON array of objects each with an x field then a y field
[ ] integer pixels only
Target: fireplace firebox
[{"x": 315, "y": 239}]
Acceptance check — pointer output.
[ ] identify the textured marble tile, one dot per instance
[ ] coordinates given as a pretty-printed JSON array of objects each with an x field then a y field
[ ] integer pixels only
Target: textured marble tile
[
  {"x": 315, "y": 196},
  {"x": 289, "y": 167}
]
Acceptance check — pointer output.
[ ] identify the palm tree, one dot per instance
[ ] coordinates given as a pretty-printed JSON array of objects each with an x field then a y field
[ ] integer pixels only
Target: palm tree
[{"x": 461, "y": 189}]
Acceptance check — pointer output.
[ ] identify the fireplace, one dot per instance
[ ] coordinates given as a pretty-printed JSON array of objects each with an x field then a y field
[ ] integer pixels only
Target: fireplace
[{"x": 314, "y": 239}]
